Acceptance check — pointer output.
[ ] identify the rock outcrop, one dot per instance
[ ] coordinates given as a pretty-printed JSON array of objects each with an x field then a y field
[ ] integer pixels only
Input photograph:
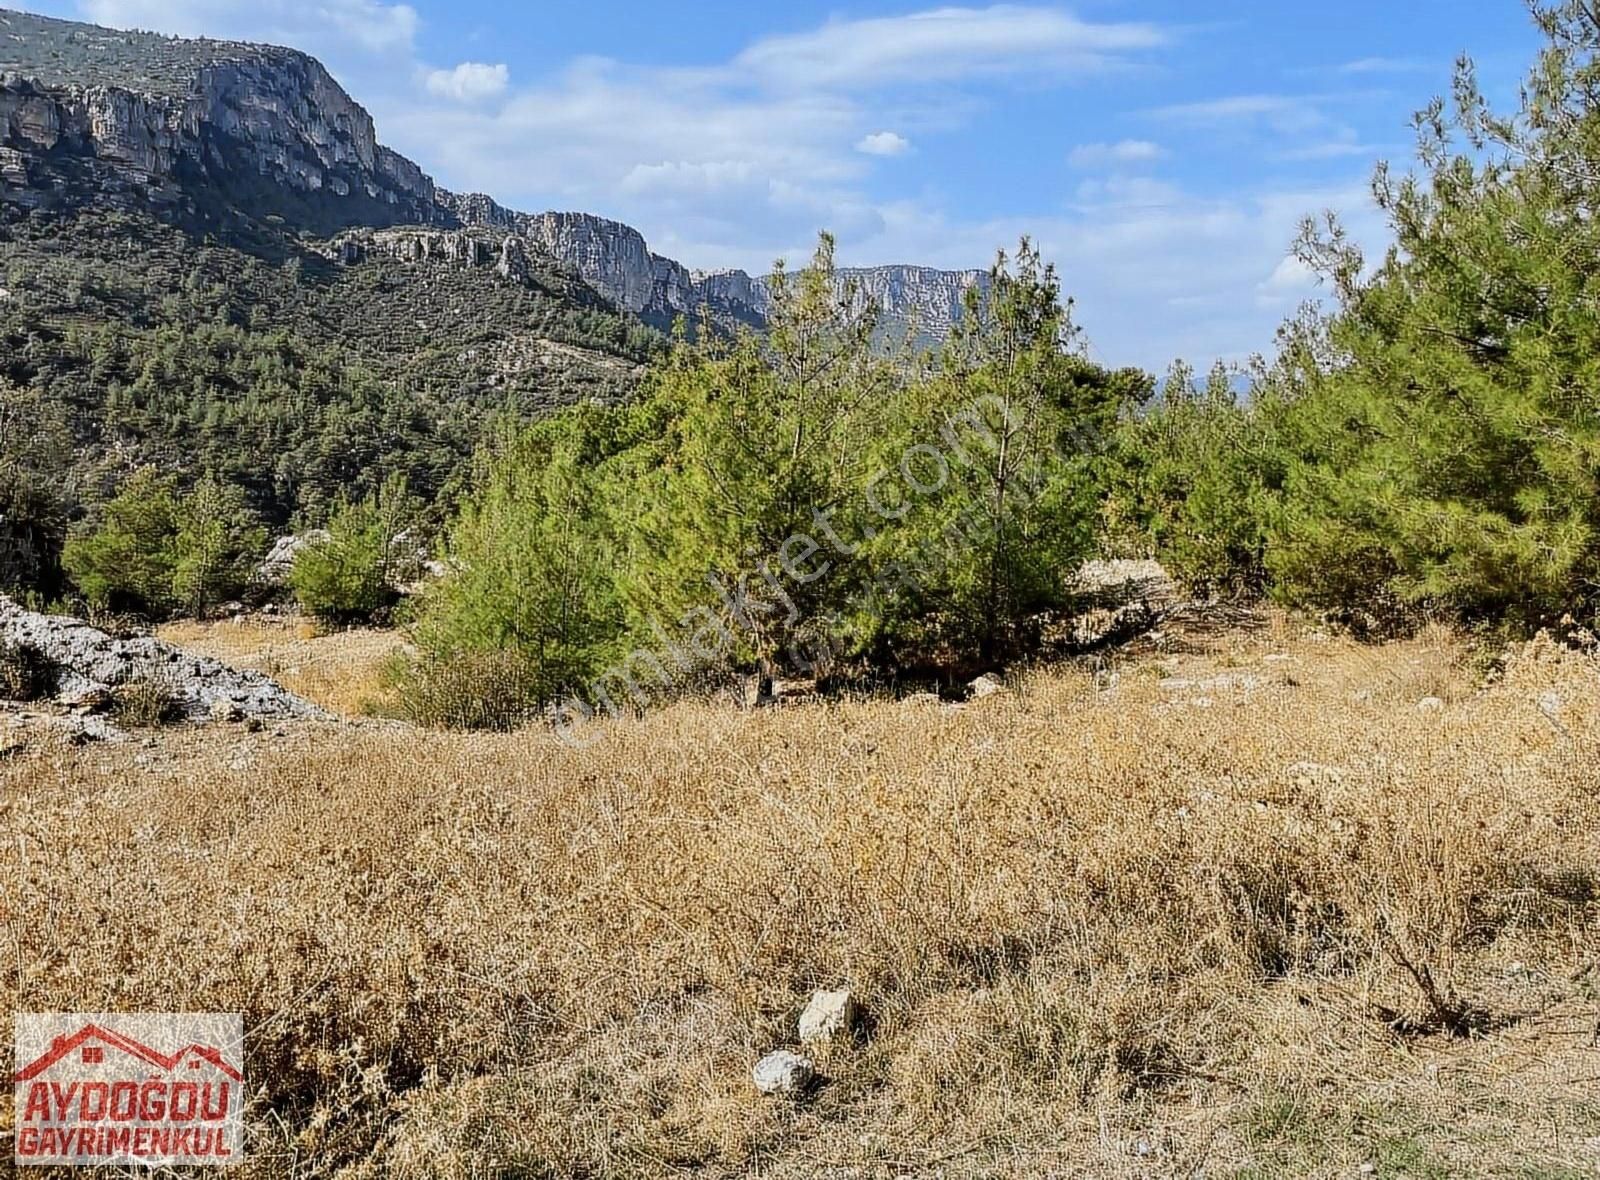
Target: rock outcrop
[
  {"x": 927, "y": 302},
  {"x": 750, "y": 299},
  {"x": 278, "y": 564},
  {"x": 216, "y": 130},
  {"x": 87, "y": 664},
  {"x": 615, "y": 261},
  {"x": 455, "y": 247},
  {"x": 90, "y": 114}
]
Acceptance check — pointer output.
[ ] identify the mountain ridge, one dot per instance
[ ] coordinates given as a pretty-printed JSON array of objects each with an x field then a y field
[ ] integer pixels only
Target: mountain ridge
[{"x": 217, "y": 130}]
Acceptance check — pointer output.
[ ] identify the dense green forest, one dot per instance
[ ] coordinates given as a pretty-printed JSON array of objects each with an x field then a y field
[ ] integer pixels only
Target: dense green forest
[
  {"x": 127, "y": 342},
  {"x": 1427, "y": 447}
]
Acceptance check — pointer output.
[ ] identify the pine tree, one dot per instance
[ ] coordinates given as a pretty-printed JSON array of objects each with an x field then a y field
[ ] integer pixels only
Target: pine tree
[
  {"x": 124, "y": 559},
  {"x": 354, "y": 574},
  {"x": 36, "y": 492},
  {"x": 529, "y": 601},
  {"x": 1451, "y": 449},
  {"x": 764, "y": 441},
  {"x": 984, "y": 497},
  {"x": 215, "y": 545},
  {"x": 1194, "y": 478}
]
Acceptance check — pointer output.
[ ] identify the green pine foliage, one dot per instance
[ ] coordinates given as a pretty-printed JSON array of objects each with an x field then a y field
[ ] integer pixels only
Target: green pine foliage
[
  {"x": 1430, "y": 448},
  {"x": 530, "y": 605},
  {"x": 215, "y": 548},
  {"x": 1456, "y": 438},
  {"x": 36, "y": 492},
  {"x": 124, "y": 559},
  {"x": 152, "y": 551},
  {"x": 761, "y": 445},
  {"x": 984, "y": 495},
  {"x": 1194, "y": 478},
  {"x": 797, "y": 503},
  {"x": 355, "y": 573}
]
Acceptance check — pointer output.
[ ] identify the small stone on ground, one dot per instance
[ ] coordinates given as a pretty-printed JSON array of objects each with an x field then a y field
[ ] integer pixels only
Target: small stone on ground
[{"x": 783, "y": 1072}]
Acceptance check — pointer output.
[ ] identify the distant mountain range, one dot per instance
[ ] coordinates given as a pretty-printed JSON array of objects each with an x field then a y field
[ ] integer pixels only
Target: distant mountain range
[{"x": 217, "y": 134}]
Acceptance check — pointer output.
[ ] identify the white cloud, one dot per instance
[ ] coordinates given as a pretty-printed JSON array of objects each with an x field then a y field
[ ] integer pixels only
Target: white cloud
[
  {"x": 683, "y": 178},
  {"x": 1127, "y": 151},
  {"x": 726, "y": 162},
  {"x": 1384, "y": 65},
  {"x": 943, "y": 44},
  {"x": 330, "y": 26},
  {"x": 1128, "y": 192},
  {"x": 712, "y": 172},
  {"x": 1332, "y": 149},
  {"x": 1288, "y": 126},
  {"x": 1238, "y": 108},
  {"x": 470, "y": 81},
  {"x": 884, "y": 143},
  {"x": 1290, "y": 277}
]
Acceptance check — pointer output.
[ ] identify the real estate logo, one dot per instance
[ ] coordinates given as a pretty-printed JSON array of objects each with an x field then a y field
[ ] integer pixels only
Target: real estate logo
[{"x": 130, "y": 1088}]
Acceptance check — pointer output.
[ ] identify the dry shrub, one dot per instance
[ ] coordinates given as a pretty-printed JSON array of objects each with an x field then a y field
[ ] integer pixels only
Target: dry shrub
[
  {"x": 25, "y": 673},
  {"x": 1091, "y": 924},
  {"x": 147, "y": 702},
  {"x": 470, "y": 691}
]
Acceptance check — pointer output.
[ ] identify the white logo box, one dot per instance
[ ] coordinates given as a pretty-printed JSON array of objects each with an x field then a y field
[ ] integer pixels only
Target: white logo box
[{"x": 141, "y": 1088}]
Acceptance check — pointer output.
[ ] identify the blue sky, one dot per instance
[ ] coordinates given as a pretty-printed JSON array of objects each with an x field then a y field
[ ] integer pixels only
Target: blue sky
[{"x": 1160, "y": 152}]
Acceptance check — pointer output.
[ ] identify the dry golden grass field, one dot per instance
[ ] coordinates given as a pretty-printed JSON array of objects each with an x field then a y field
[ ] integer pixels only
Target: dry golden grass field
[
  {"x": 342, "y": 672},
  {"x": 1231, "y": 906}
]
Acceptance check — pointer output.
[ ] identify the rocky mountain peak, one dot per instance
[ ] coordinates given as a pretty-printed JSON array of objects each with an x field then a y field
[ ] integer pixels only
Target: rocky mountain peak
[
  {"x": 217, "y": 131},
  {"x": 205, "y": 128}
]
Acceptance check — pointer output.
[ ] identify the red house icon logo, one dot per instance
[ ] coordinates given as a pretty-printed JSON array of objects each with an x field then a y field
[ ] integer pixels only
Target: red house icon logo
[
  {"x": 142, "y": 1088},
  {"x": 94, "y": 1041}
]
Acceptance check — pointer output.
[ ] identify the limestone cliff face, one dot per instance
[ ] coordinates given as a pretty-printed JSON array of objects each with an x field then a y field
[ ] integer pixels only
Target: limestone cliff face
[
  {"x": 926, "y": 301},
  {"x": 746, "y": 298},
  {"x": 611, "y": 257},
  {"x": 254, "y": 124},
  {"x": 931, "y": 302},
  {"x": 614, "y": 260},
  {"x": 137, "y": 138},
  {"x": 218, "y": 129}
]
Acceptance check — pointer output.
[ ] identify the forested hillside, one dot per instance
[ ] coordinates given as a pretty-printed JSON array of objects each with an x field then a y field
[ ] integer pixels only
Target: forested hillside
[
  {"x": 287, "y": 374},
  {"x": 209, "y": 265},
  {"x": 1424, "y": 448}
]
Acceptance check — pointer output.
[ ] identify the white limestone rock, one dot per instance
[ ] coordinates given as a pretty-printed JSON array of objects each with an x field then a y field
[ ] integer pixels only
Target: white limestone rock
[
  {"x": 783, "y": 1073},
  {"x": 830, "y": 1015}
]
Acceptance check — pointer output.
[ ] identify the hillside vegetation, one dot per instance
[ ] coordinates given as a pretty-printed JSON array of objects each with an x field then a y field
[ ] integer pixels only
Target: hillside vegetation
[
  {"x": 1424, "y": 450},
  {"x": 263, "y": 363},
  {"x": 62, "y": 53},
  {"x": 1428, "y": 449},
  {"x": 1290, "y": 871},
  {"x": 1216, "y": 908}
]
